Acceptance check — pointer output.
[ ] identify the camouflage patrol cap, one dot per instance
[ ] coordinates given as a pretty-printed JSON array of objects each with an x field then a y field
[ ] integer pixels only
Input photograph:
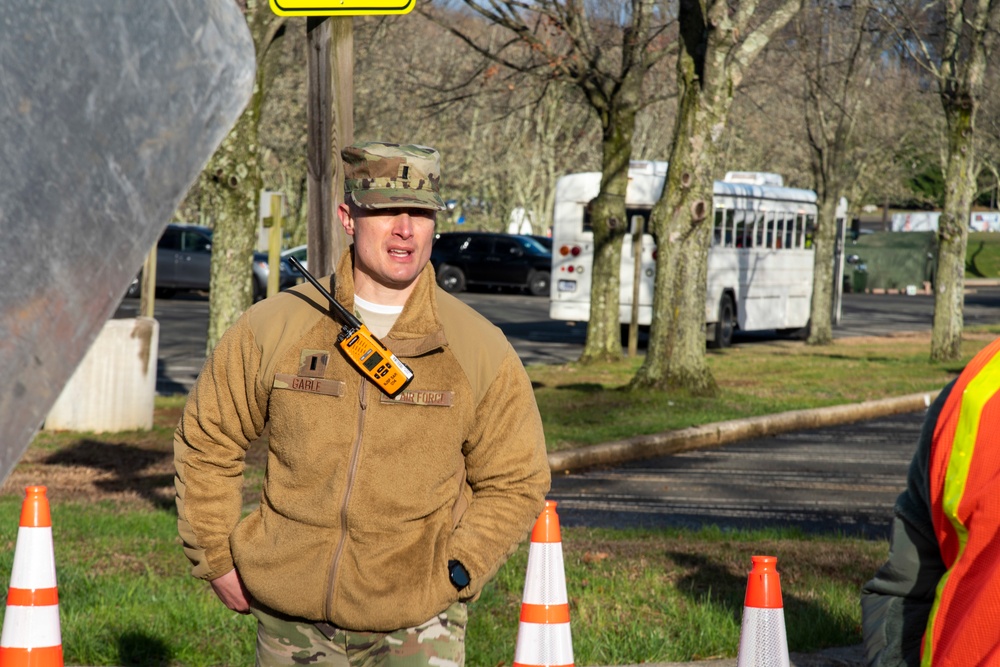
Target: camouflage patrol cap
[{"x": 381, "y": 175}]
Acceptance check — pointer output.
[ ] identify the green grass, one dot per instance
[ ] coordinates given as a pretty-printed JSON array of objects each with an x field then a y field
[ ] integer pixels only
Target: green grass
[
  {"x": 635, "y": 595},
  {"x": 589, "y": 405},
  {"x": 126, "y": 597},
  {"x": 983, "y": 255}
]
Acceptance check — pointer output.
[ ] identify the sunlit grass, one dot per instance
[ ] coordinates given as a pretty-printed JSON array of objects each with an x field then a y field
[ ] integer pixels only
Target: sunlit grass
[
  {"x": 635, "y": 595},
  {"x": 583, "y": 405}
]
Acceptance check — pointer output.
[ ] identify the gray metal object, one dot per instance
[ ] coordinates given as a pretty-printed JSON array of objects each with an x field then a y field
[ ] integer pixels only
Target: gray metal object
[{"x": 109, "y": 110}]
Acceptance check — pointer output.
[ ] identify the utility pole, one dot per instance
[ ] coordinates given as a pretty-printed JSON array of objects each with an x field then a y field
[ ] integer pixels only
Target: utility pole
[{"x": 330, "y": 117}]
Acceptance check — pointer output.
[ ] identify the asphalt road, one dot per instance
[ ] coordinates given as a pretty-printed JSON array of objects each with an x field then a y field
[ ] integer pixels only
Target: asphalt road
[
  {"x": 538, "y": 339},
  {"x": 843, "y": 478}
]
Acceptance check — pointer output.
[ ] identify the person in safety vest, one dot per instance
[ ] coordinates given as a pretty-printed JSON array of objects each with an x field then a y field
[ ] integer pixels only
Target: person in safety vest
[{"x": 936, "y": 601}]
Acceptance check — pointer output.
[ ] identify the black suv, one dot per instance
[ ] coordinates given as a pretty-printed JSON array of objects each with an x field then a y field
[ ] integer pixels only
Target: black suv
[{"x": 463, "y": 259}]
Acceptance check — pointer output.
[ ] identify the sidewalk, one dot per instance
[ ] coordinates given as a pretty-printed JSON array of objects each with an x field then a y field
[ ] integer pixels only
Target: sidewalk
[{"x": 714, "y": 435}]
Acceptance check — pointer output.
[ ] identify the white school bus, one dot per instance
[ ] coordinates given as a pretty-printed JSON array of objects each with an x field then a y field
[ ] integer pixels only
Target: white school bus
[{"x": 760, "y": 264}]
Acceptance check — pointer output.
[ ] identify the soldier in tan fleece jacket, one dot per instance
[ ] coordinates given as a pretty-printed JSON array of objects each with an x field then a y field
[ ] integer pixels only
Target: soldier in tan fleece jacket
[{"x": 379, "y": 518}]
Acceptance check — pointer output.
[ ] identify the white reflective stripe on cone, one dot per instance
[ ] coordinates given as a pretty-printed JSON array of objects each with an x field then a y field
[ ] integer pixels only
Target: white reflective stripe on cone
[
  {"x": 31, "y": 627},
  {"x": 545, "y": 559},
  {"x": 762, "y": 638},
  {"x": 539, "y": 644},
  {"x": 34, "y": 563}
]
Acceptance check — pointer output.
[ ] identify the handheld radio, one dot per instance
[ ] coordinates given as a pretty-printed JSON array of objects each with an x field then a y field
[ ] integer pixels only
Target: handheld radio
[{"x": 362, "y": 348}]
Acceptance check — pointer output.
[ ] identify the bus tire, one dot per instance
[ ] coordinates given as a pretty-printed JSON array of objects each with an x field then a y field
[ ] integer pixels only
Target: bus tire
[
  {"x": 538, "y": 283},
  {"x": 725, "y": 325},
  {"x": 451, "y": 279}
]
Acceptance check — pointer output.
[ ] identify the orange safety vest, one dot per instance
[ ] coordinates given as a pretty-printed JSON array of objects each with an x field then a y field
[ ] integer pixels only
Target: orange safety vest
[{"x": 963, "y": 629}]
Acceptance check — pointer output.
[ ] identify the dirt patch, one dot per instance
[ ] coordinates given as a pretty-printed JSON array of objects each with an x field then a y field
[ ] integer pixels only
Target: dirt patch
[
  {"x": 906, "y": 336},
  {"x": 132, "y": 469},
  {"x": 136, "y": 471}
]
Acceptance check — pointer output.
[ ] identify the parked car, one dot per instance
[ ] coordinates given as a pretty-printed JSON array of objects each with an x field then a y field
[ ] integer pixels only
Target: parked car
[
  {"x": 463, "y": 259},
  {"x": 184, "y": 262},
  {"x": 290, "y": 276},
  {"x": 299, "y": 253},
  {"x": 546, "y": 241}
]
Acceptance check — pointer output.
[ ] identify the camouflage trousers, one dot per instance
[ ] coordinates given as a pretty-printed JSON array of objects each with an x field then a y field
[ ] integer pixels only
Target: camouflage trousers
[{"x": 438, "y": 642}]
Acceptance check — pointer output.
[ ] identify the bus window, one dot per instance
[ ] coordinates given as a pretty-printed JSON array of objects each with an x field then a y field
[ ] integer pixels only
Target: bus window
[
  {"x": 758, "y": 226},
  {"x": 810, "y": 229},
  {"x": 630, "y": 213},
  {"x": 719, "y": 233},
  {"x": 588, "y": 225},
  {"x": 729, "y": 238},
  {"x": 740, "y": 230},
  {"x": 645, "y": 213}
]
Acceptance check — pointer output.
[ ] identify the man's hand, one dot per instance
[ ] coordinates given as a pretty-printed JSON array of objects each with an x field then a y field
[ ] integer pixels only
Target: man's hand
[{"x": 230, "y": 589}]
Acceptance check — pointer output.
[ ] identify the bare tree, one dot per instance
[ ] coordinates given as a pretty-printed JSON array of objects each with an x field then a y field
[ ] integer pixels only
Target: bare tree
[
  {"x": 230, "y": 191},
  {"x": 283, "y": 133},
  {"x": 606, "y": 56},
  {"x": 766, "y": 130},
  {"x": 899, "y": 123},
  {"x": 953, "y": 41},
  {"x": 503, "y": 135},
  {"x": 840, "y": 57},
  {"x": 718, "y": 43}
]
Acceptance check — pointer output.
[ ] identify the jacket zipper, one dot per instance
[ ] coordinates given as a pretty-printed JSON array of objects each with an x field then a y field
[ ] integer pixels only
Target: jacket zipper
[{"x": 352, "y": 473}]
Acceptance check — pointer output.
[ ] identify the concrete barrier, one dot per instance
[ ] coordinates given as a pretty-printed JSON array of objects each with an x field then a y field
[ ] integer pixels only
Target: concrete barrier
[
  {"x": 114, "y": 386},
  {"x": 714, "y": 435}
]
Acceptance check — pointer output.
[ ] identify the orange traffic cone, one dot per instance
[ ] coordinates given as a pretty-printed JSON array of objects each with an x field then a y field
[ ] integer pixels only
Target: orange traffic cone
[
  {"x": 31, "y": 633},
  {"x": 762, "y": 636},
  {"x": 543, "y": 637}
]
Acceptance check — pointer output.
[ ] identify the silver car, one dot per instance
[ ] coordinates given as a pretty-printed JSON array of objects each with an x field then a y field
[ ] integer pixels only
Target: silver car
[{"x": 184, "y": 262}]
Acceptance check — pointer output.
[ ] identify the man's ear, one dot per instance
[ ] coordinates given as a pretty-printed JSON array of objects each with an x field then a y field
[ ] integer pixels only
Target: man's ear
[{"x": 346, "y": 219}]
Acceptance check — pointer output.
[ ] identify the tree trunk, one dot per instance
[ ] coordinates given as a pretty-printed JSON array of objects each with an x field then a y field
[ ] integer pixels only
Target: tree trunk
[
  {"x": 234, "y": 182},
  {"x": 715, "y": 48},
  {"x": 824, "y": 241},
  {"x": 953, "y": 236},
  {"x": 682, "y": 223},
  {"x": 604, "y": 342}
]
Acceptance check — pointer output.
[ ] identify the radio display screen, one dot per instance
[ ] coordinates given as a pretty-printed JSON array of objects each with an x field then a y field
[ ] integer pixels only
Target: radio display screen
[{"x": 373, "y": 360}]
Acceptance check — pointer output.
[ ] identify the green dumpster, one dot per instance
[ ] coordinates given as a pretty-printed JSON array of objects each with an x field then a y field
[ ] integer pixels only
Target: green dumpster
[{"x": 859, "y": 279}]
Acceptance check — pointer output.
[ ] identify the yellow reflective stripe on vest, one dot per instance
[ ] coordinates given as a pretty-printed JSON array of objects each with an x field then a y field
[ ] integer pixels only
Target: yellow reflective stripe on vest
[{"x": 979, "y": 390}]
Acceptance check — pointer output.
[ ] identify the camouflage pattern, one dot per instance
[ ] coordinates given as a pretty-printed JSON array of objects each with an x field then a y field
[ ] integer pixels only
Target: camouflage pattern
[
  {"x": 284, "y": 642},
  {"x": 379, "y": 175}
]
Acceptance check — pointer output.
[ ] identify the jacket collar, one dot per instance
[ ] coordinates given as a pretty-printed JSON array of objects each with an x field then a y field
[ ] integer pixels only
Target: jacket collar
[{"x": 418, "y": 329}]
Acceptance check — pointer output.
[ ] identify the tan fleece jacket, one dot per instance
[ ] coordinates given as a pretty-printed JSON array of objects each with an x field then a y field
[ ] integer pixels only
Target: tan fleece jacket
[{"x": 365, "y": 499}]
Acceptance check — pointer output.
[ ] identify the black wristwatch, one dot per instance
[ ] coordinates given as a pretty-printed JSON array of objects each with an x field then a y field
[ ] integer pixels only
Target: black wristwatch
[{"x": 458, "y": 575}]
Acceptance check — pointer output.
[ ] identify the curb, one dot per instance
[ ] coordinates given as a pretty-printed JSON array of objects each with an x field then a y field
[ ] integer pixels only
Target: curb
[{"x": 714, "y": 435}]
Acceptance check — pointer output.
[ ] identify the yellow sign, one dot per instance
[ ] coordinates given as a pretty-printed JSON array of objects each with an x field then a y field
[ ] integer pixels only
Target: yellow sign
[{"x": 340, "y": 7}]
